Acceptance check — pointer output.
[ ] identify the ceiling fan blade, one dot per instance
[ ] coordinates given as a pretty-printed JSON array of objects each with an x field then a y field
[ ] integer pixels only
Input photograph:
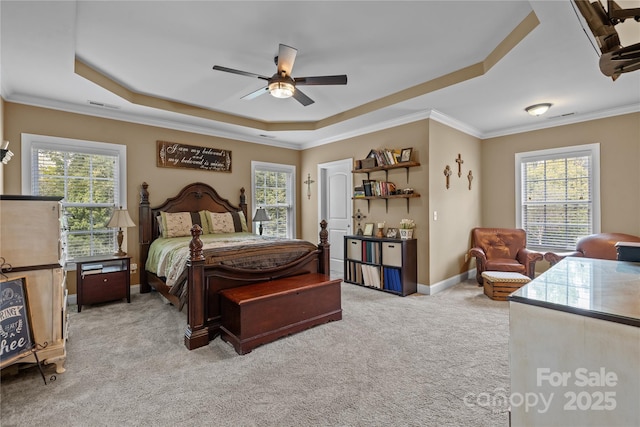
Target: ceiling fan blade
[
  {"x": 302, "y": 98},
  {"x": 322, "y": 80},
  {"x": 242, "y": 73},
  {"x": 286, "y": 58},
  {"x": 256, "y": 93}
]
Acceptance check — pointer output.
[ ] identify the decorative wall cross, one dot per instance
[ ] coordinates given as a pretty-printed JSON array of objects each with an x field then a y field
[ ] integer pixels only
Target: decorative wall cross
[
  {"x": 359, "y": 216},
  {"x": 309, "y": 181},
  {"x": 459, "y": 161},
  {"x": 447, "y": 174}
]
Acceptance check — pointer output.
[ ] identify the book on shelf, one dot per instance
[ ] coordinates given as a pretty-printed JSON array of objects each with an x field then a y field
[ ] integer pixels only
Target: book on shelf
[
  {"x": 87, "y": 267},
  {"x": 111, "y": 268},
  {"x": 94, "y": 271}
]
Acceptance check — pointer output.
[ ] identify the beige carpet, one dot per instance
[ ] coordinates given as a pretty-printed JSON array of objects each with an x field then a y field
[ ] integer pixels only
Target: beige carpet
[{"x": 414, "y": 361}]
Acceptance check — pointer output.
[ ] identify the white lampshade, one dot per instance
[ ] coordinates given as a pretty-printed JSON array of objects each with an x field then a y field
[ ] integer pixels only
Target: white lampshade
[{"x": 120, "y": 219}]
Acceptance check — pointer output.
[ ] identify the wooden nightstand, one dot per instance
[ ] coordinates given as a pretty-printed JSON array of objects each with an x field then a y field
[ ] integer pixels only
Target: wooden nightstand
[{"x": 102, "y": 278}]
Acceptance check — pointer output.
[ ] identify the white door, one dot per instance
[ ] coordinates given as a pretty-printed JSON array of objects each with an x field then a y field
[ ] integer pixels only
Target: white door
[{"x": 335, "y": 205}]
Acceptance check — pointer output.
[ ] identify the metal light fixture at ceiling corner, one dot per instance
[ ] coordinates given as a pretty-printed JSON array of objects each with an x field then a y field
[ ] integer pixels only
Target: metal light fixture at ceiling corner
[
  {"x": 538, "y": 109},
  {"x": 281, "y": 86}
]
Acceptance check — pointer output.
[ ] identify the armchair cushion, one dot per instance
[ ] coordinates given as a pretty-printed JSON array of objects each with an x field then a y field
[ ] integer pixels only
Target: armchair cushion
[
  {"x": 502, "y": 249},
  {"x": 600, "y": 246}
]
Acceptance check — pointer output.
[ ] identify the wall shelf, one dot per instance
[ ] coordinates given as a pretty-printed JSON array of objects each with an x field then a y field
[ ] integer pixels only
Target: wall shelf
[
  {"x": 386, "y": 199},
  {"x": 386, "y": 169}
]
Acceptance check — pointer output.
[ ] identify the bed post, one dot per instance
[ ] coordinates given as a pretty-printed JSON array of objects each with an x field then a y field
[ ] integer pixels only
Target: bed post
[
  {"x": 243, "y": 206},
  {"x": 324, "y": 258},
  {"x": 195, "y": 334},
  {"x": 144, "y": 229}
]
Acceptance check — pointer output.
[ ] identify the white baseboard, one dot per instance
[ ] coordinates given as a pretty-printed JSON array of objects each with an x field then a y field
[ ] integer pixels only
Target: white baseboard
[
  {"x": 447, "y": 283},
  {"x": 73, "y": 299}
]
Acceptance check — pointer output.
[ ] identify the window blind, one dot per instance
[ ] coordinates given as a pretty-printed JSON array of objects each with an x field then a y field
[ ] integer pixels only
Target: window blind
[
  {"x": 88, "y": 181},
  {"x": 557, "y": 204},
  {"x": 273, "y": 190}
]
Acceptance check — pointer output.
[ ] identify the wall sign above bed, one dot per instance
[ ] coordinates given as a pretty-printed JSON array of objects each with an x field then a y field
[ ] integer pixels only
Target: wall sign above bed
[{"x": 174, "y": 155}]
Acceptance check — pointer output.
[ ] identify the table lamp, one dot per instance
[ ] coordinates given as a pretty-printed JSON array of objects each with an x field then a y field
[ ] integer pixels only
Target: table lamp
[
  {"x": 119, "y": 219},
  {"x": 261, "y": 215}
]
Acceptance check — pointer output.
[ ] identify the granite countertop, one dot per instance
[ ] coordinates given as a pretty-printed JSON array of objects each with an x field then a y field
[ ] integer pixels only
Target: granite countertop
[{"x": 603, "y": 289}]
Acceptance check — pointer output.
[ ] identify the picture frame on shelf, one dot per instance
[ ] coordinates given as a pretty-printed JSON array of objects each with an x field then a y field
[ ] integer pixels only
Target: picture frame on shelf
[
  {"x": 372, "y": 154},
  {"x": 392, "y": 233},
  {"x": 368, "y": 229},
  {"x": 405, "y": 155}
]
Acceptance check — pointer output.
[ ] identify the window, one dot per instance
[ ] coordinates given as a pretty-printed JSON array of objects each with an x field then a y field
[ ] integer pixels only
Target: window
[
  {"x": 274, "y": 190},
  {"x": 558, "y": 195},
  {"x": 90, "y": 176}
]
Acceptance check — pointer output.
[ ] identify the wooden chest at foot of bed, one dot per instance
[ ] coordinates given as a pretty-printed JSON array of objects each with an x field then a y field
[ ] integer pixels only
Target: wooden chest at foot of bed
[{"x": 260, "y": 313}]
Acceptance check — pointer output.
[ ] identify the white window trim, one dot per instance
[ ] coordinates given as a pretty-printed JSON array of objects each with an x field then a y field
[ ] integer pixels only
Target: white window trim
[
  {"x": 275, "y": 167},
  {"x": 90, "y": 147},
  {"x": 592, "y": 150}
]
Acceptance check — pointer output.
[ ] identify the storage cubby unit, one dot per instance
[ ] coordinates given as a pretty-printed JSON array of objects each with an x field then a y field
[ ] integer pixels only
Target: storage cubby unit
[{"x": 385, "y": 264}]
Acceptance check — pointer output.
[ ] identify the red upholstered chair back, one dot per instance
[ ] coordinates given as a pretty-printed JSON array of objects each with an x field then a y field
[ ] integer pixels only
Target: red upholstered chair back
[
  {"x": 499, "y": 242},
  {"x": 602, "y": 246}
]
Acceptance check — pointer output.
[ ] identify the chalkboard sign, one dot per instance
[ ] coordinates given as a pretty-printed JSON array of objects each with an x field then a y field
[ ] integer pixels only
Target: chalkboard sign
[
  {"x": 15, "y": 321},
  {"x": 174, "y": 155}
]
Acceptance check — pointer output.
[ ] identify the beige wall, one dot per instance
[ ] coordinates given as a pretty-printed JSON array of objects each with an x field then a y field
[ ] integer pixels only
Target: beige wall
[
  {"x": 441, "y": 244},
  {"x": 458, "y": 207},
  {"x": 619, "y": 139},
  {"x": 141, "y": 154},
  {"x": 414, "y": 135}
]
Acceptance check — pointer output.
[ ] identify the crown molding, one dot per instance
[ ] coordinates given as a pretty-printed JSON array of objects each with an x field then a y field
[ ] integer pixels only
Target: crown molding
[
  {"x": 552, "y": 122},
  {"x": 119, "y": 115}
]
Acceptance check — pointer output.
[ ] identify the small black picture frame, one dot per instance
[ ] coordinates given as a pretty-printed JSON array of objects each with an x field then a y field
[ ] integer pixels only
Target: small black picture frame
[
  {"x": 372, "y": 154},
  {"x": 405, "y": 155}
]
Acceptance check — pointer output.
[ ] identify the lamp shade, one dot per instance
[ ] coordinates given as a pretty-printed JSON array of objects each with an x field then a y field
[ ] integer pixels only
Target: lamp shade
[
  {"x": 120, "y": 219},
  {"x": 261, "y": 215}
]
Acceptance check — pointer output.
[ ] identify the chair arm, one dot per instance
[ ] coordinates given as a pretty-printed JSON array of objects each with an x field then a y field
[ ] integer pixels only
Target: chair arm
[
  {"x": 481, "y": 260},
  {"x": 478, "y": 253},
  {"x": 526, "y": 256},
  {"x": 555, "y": 257}
]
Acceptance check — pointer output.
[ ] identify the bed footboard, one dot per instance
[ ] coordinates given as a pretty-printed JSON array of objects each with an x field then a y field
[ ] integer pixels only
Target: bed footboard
[
  {"x": 206, "y": 281},
  {"x": 204, "y": 285}
]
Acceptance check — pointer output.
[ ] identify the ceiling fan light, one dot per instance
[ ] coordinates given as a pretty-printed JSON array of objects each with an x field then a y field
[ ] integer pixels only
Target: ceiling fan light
[
  {"x": 538, "y": 109},
  {"x": 281, "y": 89}
]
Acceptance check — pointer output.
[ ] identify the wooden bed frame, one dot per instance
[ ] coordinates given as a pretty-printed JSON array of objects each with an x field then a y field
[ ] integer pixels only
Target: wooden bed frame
[{"x": 206, "y": 281}]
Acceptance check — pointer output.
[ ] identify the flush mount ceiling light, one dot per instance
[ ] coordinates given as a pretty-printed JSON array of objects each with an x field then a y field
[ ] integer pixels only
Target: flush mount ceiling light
[{"x": 537, "y": 109}]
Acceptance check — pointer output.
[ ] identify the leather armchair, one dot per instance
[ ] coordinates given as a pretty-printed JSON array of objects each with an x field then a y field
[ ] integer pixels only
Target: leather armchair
[
  {"x": 502, "y": 249},
  {"x": 600, "y": 246}
]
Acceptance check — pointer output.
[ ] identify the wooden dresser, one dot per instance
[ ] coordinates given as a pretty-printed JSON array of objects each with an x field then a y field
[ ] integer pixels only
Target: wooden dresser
[{"x": 31, "y": 243}]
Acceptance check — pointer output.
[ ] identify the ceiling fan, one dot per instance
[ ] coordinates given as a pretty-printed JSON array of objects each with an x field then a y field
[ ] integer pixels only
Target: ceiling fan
[{"x": 282, "y": 84}]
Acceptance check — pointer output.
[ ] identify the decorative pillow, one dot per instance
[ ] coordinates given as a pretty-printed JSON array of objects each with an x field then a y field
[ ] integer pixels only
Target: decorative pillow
[
  {"x": 243, "y": 220},
  {"x": 160, "y": 227},
  {"x": 221, "y": 223},
  {"x": 179, "y": 224},
  {"x": 227, "y": 222}
]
